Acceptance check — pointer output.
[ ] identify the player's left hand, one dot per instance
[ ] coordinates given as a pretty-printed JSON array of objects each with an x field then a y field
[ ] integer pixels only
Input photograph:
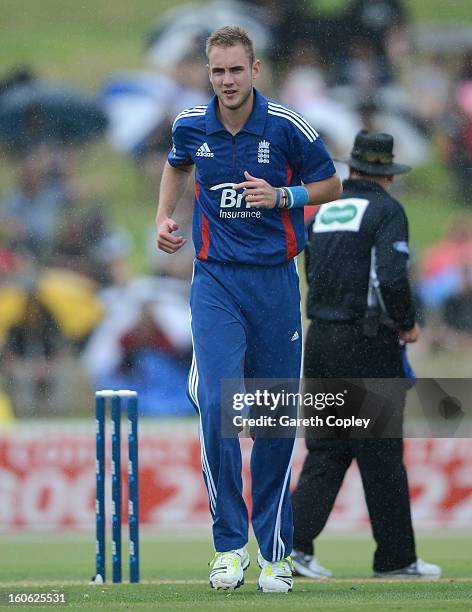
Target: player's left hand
[{"x": 257, "y": 192}]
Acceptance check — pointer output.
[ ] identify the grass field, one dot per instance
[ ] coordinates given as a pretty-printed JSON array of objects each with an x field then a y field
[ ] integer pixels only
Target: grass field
[{"x": 174, "y": 577}]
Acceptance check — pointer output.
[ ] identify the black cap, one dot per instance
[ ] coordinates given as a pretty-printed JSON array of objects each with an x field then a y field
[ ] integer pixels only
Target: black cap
[{"x": 372, "y": 153}]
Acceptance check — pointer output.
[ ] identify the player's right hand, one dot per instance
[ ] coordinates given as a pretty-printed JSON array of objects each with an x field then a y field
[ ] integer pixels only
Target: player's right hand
[{"x": 165, "y": 240}]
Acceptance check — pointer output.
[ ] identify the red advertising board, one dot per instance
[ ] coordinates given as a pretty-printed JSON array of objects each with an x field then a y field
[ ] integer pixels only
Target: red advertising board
[{"x": 47, "y": 480}]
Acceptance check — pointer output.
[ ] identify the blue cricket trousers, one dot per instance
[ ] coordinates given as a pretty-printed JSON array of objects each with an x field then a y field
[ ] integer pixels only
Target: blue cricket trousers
[{"x": 246, "y": 323}]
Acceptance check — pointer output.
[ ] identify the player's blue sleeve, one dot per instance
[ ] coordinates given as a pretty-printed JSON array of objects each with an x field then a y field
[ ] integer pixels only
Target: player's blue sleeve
[
  {"x": 310, "y": 155},
  {"x": 178, "y": 155}
]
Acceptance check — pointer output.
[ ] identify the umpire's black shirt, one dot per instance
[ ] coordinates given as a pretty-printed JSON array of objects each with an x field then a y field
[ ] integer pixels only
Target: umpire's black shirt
[{"x": 365, "y": 227}]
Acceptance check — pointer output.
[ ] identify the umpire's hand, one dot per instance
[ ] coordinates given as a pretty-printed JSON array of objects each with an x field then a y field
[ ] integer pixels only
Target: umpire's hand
[{"x": 411, "y": 335}]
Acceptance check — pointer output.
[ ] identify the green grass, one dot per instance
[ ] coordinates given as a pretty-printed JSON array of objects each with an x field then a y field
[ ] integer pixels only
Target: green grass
[
  {"x": 80, "y": 41},
  {"x": 336, "y": 597},
  {"x": 440, "y": 11},
  {"x": 174, "y": 577}
]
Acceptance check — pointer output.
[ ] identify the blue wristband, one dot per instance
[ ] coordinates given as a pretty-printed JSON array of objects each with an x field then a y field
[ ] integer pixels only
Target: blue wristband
[{"x": 298, "y": 196}]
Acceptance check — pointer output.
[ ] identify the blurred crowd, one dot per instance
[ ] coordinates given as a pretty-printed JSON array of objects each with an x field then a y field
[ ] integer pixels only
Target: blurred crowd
[{"x": 75, "y": 316}]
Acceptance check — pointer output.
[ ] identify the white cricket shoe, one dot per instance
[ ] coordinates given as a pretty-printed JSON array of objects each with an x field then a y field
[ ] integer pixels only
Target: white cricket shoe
[
  {"x": 307, "y": 565},
  {"x": 417, "y": 569},
  {"x": 276, "y": 576},
  {"x": 227, "y": 569}
]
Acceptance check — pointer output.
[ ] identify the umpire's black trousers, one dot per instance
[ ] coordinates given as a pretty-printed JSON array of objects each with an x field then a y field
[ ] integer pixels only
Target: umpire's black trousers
[{"x": 341, "y": 351}]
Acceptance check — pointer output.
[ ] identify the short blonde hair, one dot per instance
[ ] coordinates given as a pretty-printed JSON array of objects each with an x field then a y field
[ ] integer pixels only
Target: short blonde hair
[{"x": 229, "y": 36}]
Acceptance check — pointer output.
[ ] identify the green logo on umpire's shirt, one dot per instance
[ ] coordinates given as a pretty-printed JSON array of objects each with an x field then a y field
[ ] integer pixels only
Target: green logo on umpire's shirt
[{"x": 341, "y": 214}]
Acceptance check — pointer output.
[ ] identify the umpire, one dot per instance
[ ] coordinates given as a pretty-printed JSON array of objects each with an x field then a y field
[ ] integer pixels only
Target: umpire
[{"x": 361, "y": 311}]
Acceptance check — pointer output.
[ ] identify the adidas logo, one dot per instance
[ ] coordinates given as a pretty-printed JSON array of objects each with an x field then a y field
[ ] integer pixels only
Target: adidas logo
[
  {"x": 204, "y": 151},
  {"x": 294, "y": 337}
]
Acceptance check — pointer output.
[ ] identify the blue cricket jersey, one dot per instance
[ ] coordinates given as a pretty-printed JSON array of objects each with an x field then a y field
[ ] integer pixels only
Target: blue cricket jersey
[{"x": 276, "y": 144}]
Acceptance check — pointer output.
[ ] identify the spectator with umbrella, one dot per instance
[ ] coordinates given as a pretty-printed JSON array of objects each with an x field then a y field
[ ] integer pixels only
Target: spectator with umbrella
[
  {"x": 37, "y": 112},
  {"x": 41, "y": 123}
]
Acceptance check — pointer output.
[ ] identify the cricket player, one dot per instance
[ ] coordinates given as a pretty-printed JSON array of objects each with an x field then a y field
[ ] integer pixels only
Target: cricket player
[{"x": 257, "y": 164}]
